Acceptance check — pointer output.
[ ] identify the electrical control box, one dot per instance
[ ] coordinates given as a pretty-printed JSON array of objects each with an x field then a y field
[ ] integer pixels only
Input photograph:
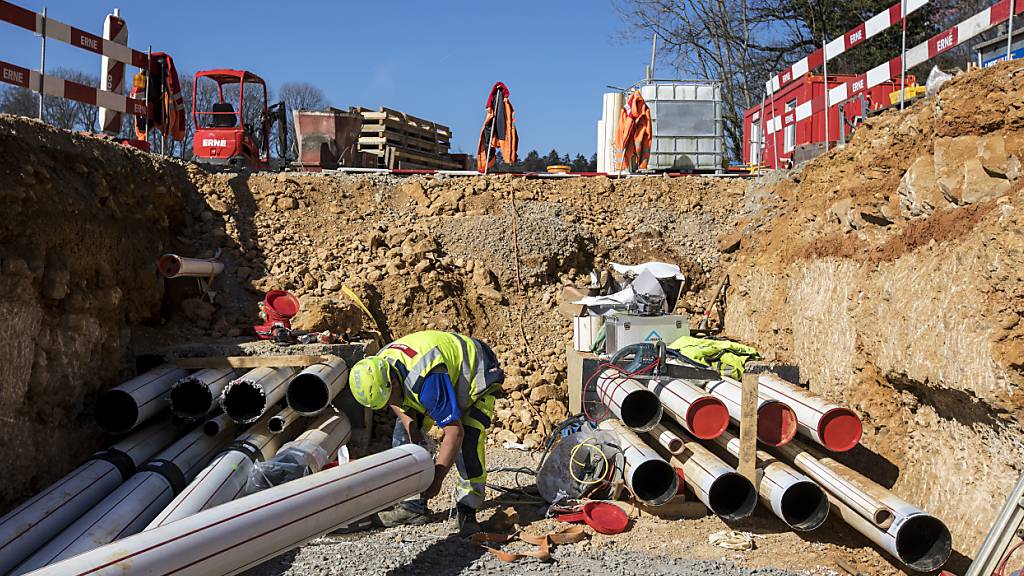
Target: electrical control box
[{"x": 622, "y": 329}]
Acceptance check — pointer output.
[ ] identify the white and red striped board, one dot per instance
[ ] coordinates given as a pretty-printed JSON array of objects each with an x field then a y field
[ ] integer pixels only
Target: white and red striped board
[
  {"x": 57, "y": 30},
  {"x": 53, "y": 86},
  {"x": 112, "y": 80},
  {"x": 856, "y": 36}
]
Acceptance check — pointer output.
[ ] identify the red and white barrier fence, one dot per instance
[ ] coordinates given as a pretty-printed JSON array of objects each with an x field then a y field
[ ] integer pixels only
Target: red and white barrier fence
[
  {"x": 115, "y": 30},
  {"x": 53, "y": 86}
]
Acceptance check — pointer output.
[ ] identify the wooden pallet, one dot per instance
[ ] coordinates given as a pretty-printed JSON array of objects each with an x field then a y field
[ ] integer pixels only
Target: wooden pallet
[
  {"x": 403, "y": 141},
  {"x": 405, "y": 159}
]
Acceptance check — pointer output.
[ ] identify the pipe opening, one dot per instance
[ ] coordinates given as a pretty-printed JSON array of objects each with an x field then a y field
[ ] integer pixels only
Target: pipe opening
[
  {"x": 776, "y": 423},
  {"x": 804, "y": 506},
  {"x": 641, "y": 410},
  {"x": 244, "y": 401},
  {"x": 707, "y": 418},
  {"x": 116, "y": 411},
  {"x": 924, "y": 543},
  {"x": 884, "y": 517},
  {"x": 169, "y": 265},
  {"x": 276, "y": 425},
  {"x": 307, "y": 394},
  {"x": 732, "y": 497},
  {"x": 840, "y": 429},
  {"x": 655, "y": 482},
  {"x": 191, "y": 398},
  {"x": 211, "y": 427}
]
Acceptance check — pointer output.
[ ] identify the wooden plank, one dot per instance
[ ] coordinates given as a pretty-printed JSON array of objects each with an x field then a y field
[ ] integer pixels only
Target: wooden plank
[
  {"x": 250, "y": 361},
  {"x": 402, "y": 155},
  {"x": 748, "y": 428}
]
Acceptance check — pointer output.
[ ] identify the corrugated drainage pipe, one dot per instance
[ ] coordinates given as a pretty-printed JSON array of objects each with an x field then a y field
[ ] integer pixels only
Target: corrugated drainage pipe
[
  {"x": 195, "y": 396},
  {"x": 776, "y": 422},
  {"x": 248, "y": 397},
  {"x": 121, "y": 409},
  {"x": 701, "y": 414},
  {"x": 130, "y": 507},
  {"x": 793, "y": 498},
  {"x": 630, "y": 401},
  {"x": 834, "y": 427},
  {"x": 223, "y": 479},
  {"x": 313, "y": 389},
  {"x": 724, "y": 491},
  {"x": 647, "y": 474},
  {"x": 32, "y": 524},
  {"x": 230, "y": 538}
]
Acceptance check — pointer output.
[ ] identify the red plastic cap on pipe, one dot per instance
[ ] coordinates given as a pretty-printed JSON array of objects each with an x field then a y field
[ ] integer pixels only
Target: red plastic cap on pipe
[
  {"x": 840, "y": 429},
  {"x": 707, "y": 418},
  {"x": 282, "y": 303},
  {"x": 169, "y": 265},
  {"x": 776, "y": 424}
]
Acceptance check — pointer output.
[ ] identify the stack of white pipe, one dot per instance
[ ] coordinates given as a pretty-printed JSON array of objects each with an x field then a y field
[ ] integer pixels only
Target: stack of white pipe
[
  {"x": 646, "y": 473},
  {"x": 248, "y": 397},
  {"x": 130, "y": 507},
  {"x": 305, "y": 455},
  {"x": 32, "y": 524},
  {"x": 776, "y": 422},
  {"x": 224, "y": 477},
  {"x": 723, "y": 490},
  {"x": 313, "y": 389},
  {"x": 630, "y": 401},
  {"x": 121, "y": 409},
  {"x": 195, "y": 396},
  {"x": 793, "y": 498},
  {"x": 834, "y": 427},
  {"x": 235, "y": 536}
]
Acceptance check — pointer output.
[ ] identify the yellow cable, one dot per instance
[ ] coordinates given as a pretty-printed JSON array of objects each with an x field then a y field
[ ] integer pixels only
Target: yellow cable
[{"x": 572, "y": 460}]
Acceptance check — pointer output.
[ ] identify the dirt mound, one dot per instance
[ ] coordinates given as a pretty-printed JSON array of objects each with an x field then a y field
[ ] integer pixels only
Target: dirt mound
[{"x": 890, "y": 271}]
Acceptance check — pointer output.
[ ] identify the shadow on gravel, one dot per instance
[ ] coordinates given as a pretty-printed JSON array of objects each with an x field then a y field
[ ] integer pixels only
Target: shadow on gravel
[{"x": 446, "y": 557}]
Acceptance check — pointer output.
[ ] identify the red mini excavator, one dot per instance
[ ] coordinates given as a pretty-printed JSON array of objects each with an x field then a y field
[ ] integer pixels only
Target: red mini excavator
[{"x": 233, "y": 121}]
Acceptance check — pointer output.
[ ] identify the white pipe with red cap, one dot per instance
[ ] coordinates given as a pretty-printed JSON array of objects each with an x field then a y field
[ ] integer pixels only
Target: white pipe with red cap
[
  {"x": 776, "y": 422},
  {"x": 701, "y": 414},
  {"x": 834, "y": 427},
  {"x": 230, "y": 538}
]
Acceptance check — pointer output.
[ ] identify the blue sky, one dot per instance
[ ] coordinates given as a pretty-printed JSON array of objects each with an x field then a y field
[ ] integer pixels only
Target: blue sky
[{"x": 433, "y": 59}]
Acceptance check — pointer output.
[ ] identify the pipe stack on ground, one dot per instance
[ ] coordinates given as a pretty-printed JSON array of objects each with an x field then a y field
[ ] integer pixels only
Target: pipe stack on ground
[
  {"x": 646, "y": 473},
  {"x": 121, "y": 409},
  {"x": 630, "y": 401},
  {"x": 26, "y": 528},
  {"x": 776, "y": 422},
  {"x": 305, "y": 455},
  {"x": 225, "y": 476},
  {"x": 793, "y": 498},
  {"x": 248, "y": 397},
  {"x": 195, "y": 396},
  {"x": 313, "y": 389},
  {"x": 130, "y": 507},
  {"x": 724, "y": 491},
  {"x": 915, "y": 538},
  {"x": 834, "y": 427},
  {"x": 235, "y": 536},
  {"x": 702, "y": 415}
]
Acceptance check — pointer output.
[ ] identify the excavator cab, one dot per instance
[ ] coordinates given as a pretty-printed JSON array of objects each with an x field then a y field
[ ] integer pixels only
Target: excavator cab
[{"x": 232, "y": 120}]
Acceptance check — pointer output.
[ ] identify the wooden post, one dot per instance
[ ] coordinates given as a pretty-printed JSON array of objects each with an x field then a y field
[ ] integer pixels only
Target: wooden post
[{"x": 748, "y": 428}]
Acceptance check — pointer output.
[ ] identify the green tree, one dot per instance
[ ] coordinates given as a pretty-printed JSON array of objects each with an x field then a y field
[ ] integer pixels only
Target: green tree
[
  {"x": 580, "y": 164},
  {"x": 533, "y": 162}
]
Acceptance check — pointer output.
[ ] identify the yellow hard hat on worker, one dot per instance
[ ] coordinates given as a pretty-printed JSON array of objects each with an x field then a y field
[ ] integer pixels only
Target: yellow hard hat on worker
[{"x": 370, "y": 382}]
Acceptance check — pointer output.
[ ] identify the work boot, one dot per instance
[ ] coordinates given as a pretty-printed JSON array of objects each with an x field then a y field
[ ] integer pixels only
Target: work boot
[
  {"x": 466, "y": 518},
  {"x": 406, "y": 512}
]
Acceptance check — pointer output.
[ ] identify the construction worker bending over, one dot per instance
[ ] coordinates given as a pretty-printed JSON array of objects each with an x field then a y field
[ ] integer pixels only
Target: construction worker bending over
[{"x": 441, "y": 378}]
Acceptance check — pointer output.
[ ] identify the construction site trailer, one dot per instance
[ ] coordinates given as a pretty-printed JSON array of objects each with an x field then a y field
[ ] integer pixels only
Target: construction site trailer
[{"x": 686, "y": 119}]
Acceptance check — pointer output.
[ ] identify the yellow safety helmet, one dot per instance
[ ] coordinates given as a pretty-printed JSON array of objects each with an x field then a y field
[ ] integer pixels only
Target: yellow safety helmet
[{"x": 370, "y": 381}]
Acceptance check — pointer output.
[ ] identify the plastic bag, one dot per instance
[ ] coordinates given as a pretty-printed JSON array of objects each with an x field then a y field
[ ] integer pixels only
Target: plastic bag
[
  {"x": 289, "y": 464},
  {"x": 936, "y": 78}
]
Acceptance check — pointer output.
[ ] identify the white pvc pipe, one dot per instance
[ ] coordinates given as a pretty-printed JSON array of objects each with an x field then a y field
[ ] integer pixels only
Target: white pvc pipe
[
  {"x": 834, "y": 427},
  {"x": 853, "y": 496},
  {"x": 646, "y": 473},
  {"x": 121, "y": 409},
  {"x": 668, "y": 439},
  {"x": 793, "y": 498},
  {"x": 701, "y": 414},
  {"x": 32, "y": 524},
  {"x": 237, "y": 535},
  {"x": 174, "y": 266},
  {"x": 130, "y": 507},
  {"x": 195, "y": 395},
  {"x": 305, "y": 455},
  {"x": 776, "y": 422},
  {"x": 723, "y": 490},
  {"x": 224, "y": 478},
  {"x": 248, "y": 397},
  {"x": 629, "y": 400},
  {"x": 314, "y": 388},
  {"x": 282, "y": 420}
]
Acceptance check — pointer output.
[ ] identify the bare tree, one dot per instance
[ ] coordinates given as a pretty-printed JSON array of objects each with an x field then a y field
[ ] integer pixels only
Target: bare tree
[
  {"x": 298, "y": 96},
  {"x": 70, "y": 114},
  {"x": 18, "y": 101}
]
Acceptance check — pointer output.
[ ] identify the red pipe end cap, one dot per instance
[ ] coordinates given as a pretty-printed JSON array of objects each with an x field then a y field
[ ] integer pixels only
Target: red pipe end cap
[
  {"x": 707, "y": 418},
  {"x": 282, "y": 302},
  {"x": 169, "y": 265},
  {"x": 840, "y": 429},
  {"x": 776, "y": 424}
]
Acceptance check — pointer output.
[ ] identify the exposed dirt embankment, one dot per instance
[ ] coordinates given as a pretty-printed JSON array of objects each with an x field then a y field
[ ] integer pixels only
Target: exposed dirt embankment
[
  {"x": 892, "y": 271},
  {"x": 83, "y": 222}
]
